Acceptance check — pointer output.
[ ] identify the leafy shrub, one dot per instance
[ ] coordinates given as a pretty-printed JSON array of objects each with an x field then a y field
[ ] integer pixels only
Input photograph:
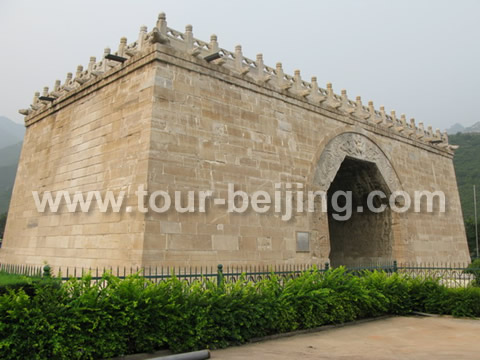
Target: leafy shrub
[
  {"x": 17, "y": 282},
  {"x": 81, "y": 319},
  {"x": 474, "y": 268}
]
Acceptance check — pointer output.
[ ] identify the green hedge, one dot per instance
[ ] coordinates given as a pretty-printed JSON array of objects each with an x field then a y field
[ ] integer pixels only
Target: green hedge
[
  {"x": 82, "y": 320},
  {"x": 27, "y": 284}
]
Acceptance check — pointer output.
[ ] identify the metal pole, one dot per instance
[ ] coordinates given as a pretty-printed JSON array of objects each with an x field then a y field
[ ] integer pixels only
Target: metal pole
[{"x": 475, "y": 209}]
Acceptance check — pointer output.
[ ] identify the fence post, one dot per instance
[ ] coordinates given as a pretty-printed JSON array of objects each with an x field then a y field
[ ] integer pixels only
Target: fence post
[
  {"x": 327, "y": 266},
  {"x": 219, "y": 274},
  {"x": 395, "y": 266},
  {"x": 47, "y": 271}
]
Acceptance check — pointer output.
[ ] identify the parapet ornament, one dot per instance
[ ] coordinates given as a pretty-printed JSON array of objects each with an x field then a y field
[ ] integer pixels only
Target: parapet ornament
[{"x": 254, "y": 70}]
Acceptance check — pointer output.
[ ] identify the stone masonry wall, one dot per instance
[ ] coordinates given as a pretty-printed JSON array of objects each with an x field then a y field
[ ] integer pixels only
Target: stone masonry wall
[
  {"x": 100, "y": 141},
  {"x": 163, "y": 117},
  {"x": 210, "y": 128}
]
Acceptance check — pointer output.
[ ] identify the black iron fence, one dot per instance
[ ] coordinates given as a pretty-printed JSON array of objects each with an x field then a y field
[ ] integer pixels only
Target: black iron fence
[
  {"x": 27, "y": 270},
  {"x": 451, "y": 275}
]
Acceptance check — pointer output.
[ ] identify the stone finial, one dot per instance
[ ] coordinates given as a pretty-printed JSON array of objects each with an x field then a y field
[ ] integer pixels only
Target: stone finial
[
  {"x": 393, "y": 115},
  {"x": 346, "y": 107},
  {"x": 383, "y": 114},
  {"x": 298, "y": 85},
  {"x": 260, "y": 73},
  {"x": 371, "y": 108},
  {"x": 189, "y": 41},
  {"x": 78, "y": 75},
  {"x": 162, "y": 23},
  {"x": 45, "y": 91},
  {"x": 359, "y": 111},
  {"x": 403, "y": 123},
  {"x": 297, "y": 78},
  {"x": 315, "y": 94},
  {"x": 214, "y": 48},
  {"x": 141, "y": 37},
  {"x": 105, "y": 62},
  {"x": 430, "y": 134},
  {"x": 68, "y": 80},
  {"x": 331, "y": 101},
  {"x": 56, "y": 87},
  {"x": 260, "y": 67},
  {"x": 213, "y": 43},
  {"x": 281, "y": 82},
  {"x": 91, "y": 64},
  {"x": 445, "y": 137},
  {"x": 242, "y": 70},
  {"x": 373, "y": 114},
  {"x": 421, "y": 132},
  {"x": 79, "y": 71},
  {"x": 122, "y": 46},
  {"x": 35, "y": 102},
  {"x": 438, "y": 134},
  {"x": 91, "y": 67},
  {"x": 410, "y": 127}
]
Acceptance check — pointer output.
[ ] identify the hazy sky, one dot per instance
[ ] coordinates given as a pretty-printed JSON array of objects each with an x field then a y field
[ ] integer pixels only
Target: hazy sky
[{"x": 419, "y": 57}]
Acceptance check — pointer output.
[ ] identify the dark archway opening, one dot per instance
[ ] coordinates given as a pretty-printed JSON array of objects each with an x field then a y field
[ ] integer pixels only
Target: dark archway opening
[{"x": 366, "y": 236}]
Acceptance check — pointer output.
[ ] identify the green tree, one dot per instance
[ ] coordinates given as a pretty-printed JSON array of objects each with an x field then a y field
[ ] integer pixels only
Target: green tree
[
  {"x": 470, "y": 230},
  {"x": 3, "y": 222},
  {"x": 467, "y": 169}
]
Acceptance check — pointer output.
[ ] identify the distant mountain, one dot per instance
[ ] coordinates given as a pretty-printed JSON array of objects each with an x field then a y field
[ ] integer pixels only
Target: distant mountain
[
  {"x": 10, "y": 154},
  {"x": 5, "y": 197},
  {"x": 475, "y": 128},
  {"x": 7, "y": 179},
  {"x": 10, "y": 132},
  {"x": 11, "y": 138},
  {"x": 459, "y": 128}
]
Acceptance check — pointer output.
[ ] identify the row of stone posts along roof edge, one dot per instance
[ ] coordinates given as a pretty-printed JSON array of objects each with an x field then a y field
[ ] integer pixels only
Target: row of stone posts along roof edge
[{"x": 235, "y": 61}]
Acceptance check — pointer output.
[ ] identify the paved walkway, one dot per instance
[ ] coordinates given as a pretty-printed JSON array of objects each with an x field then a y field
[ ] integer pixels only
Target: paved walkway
[{"x": 392, "y": 338}]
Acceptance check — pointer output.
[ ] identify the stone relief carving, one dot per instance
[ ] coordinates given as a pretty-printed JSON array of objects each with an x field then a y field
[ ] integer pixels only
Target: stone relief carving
[{"x": 355, "y": 146}]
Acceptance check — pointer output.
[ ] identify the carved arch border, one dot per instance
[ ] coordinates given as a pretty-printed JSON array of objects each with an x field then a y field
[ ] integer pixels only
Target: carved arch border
[{"x": 354, "y": 145}]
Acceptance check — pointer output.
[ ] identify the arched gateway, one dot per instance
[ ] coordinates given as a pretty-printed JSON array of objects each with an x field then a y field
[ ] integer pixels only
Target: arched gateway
[{"x": 351, "y": 162}]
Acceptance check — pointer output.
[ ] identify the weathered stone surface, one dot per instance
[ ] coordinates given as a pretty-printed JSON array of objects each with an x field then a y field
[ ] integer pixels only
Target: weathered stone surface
[{"x": 169, "y": 120}]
